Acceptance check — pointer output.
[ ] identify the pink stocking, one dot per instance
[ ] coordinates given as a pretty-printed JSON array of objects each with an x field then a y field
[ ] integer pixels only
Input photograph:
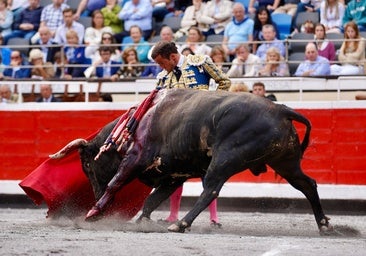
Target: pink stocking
[
  {"x": 175, "y": 199},
  {"x": 213, "y": 211}
]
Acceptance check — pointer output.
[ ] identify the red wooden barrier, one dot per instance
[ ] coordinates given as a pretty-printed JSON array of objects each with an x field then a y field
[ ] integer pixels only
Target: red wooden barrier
[{"x": 336, "y": 154}]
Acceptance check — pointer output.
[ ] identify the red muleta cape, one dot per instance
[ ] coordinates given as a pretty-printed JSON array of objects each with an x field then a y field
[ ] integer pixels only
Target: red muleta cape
[{"x": 66, "y": 190}]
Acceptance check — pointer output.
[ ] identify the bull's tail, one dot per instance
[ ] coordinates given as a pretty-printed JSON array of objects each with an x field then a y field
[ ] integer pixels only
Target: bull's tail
[{"x": 295, "y": 116}]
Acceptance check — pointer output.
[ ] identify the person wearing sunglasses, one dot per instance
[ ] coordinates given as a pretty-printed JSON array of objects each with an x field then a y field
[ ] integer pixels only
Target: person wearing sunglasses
[{"x": 16, "y": 68}]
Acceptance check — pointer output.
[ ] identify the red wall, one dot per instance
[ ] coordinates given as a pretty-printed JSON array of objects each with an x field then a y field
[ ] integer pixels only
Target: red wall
[{"x": 336, "y": 153}]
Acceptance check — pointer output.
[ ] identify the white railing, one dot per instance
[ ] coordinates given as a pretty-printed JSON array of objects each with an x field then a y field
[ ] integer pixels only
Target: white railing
[{"x": 139, "y": 87}]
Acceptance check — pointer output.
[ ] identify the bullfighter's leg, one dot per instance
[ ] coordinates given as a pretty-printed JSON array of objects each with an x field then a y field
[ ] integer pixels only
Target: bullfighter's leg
[
  {"x": 175, "y": 200},
  {"x": 158, "y": 196},
  {"x": 291, "y": 171}
]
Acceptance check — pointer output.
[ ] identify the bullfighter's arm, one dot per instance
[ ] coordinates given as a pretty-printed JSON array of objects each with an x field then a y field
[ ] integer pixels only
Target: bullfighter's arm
[{"x": 216, "y": 73}]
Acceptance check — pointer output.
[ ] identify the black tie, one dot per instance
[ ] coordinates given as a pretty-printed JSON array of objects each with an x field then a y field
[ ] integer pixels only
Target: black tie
[{"x": 177, "y": 72}]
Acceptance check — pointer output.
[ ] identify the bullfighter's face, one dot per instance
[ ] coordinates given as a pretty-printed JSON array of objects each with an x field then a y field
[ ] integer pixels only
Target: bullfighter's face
[{"x": 167, "y": 63}]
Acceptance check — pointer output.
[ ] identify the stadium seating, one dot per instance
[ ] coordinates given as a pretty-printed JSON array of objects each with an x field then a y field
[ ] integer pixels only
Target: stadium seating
[
  {"x": 294, "y": 59},
  {"x": 299, "y": 41},
  {"x": 305, "y": 16},
  {"x": 283, "y": 22},
  {"x": 173, "y": 22}
]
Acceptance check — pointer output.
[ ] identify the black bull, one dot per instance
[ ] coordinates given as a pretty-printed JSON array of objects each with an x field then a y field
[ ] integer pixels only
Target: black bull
[{"x": 213, "y": 135}]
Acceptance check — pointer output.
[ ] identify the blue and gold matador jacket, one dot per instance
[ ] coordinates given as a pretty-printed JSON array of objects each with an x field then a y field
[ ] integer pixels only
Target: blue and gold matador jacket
[{"x": 197, "y": 70}]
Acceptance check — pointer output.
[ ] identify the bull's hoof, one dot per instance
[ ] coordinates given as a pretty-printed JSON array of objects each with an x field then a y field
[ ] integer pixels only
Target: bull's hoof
[
  {"x": 94, "y": 214},
  {"x": 327, "y": 230},
  {"x": 178, "y": 227}
]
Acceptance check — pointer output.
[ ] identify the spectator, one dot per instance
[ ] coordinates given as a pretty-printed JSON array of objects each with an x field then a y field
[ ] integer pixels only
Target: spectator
[
  {"x": 218, "y": 57},
  {"x": 262, "y": 17},
  {"x": 260, "y": 90},
  {"x": 331, "y": 15},
  {"x": 17, "y": 6},
  {"x": 326, "y": 48},
  {"x": 186, "y": 51},
  {"x": 93, "y": 34},
  {"x": 239, "y": 30},
  {"x": 245, "y": 63},
  {"x": 152, "y": 70},
  {"x": 356, "y": 11},
  {"x": 6, "y": 18},
  {"x": 216, "y": 16},
  {"x": 269, "y": 35},
  {"x": 137, "y": 41},
  {"x": 75, "y": 54},
  {"x": 110, "y": 15},
  {"x": 46, "y": 94},
  {"x": 166, "y": 35},
  {"x": 86, "y": 7},
  {"x": 106, "y": 67},
  {"x": 60, "y": 66},
  {"x": 69, "y": 24},
  {"x": 179, "y": 7},
  {"x": 92, "y": 52},
  {"x": 190, "y": 17},
  {"x": 41, "y": 69},
  {"x": 7, "y": 96},
  {"x": 131, "y": 67},
  {"x": 275, "y": 64},
  {"x": 352, "y": 53},
  {"x": 161, "y": 8},
  {"x": 195, "y": 42},
  {"x": 238, "y": 87},
  {"x": 16, "y": 68},
  {"x": 306, "y": 6},
  {"x": 308, "y": 27},
  {"x": 106, "y": 97},
  {"x": 46, "y": 44},
  {"x": 360, "y": 96},
  {"x": 314, "y": 65},
  {"x": 27, "y": 22},
  {"x": 51, "y": 17},
  {"x": 289, "y": 7},
  {"x": 136, "y": 12},
  {"x": 270, "y": 5},
  {"x": 5, "y": 52}
]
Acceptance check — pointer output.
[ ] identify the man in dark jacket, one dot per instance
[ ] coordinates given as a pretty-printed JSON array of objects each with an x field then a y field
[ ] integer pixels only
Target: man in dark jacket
[
  {"x": 27, "y": 23},
  {"x": 16, "y": 68},
  {"x": 46, "y": 94}
]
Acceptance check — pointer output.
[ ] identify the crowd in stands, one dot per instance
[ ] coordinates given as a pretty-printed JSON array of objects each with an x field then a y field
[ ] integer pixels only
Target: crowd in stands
[{"x": 118, "y": 41}]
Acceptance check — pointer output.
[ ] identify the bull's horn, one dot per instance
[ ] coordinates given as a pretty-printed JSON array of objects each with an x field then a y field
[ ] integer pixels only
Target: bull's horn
[{"x": 75, "y": 144}]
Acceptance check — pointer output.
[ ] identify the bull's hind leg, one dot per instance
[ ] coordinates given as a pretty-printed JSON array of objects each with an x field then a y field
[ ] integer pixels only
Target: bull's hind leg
[{"x": 291, "y": 171}]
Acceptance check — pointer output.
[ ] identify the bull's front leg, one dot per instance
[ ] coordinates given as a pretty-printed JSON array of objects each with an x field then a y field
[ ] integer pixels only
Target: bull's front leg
[
  {"x": 210, "y": 192},
  {"x": 155, "y": 199},
  {"x": 123, "y": 176}
]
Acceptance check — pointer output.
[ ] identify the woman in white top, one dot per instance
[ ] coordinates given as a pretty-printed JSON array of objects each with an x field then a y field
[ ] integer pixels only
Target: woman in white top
[
  {"x": 194, "y": 42},
  {"x": 93, "y": 34},
  {"x": 331, "y": 15},
  {"x": 352, "y": 53}
]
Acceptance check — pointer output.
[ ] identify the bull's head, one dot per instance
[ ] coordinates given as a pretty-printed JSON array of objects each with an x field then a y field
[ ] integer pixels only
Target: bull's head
[{"x": 101, "y": 171}]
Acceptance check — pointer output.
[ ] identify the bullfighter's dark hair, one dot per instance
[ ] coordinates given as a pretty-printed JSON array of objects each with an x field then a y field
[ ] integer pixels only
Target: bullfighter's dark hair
[{"x": 164, "y": 49}]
